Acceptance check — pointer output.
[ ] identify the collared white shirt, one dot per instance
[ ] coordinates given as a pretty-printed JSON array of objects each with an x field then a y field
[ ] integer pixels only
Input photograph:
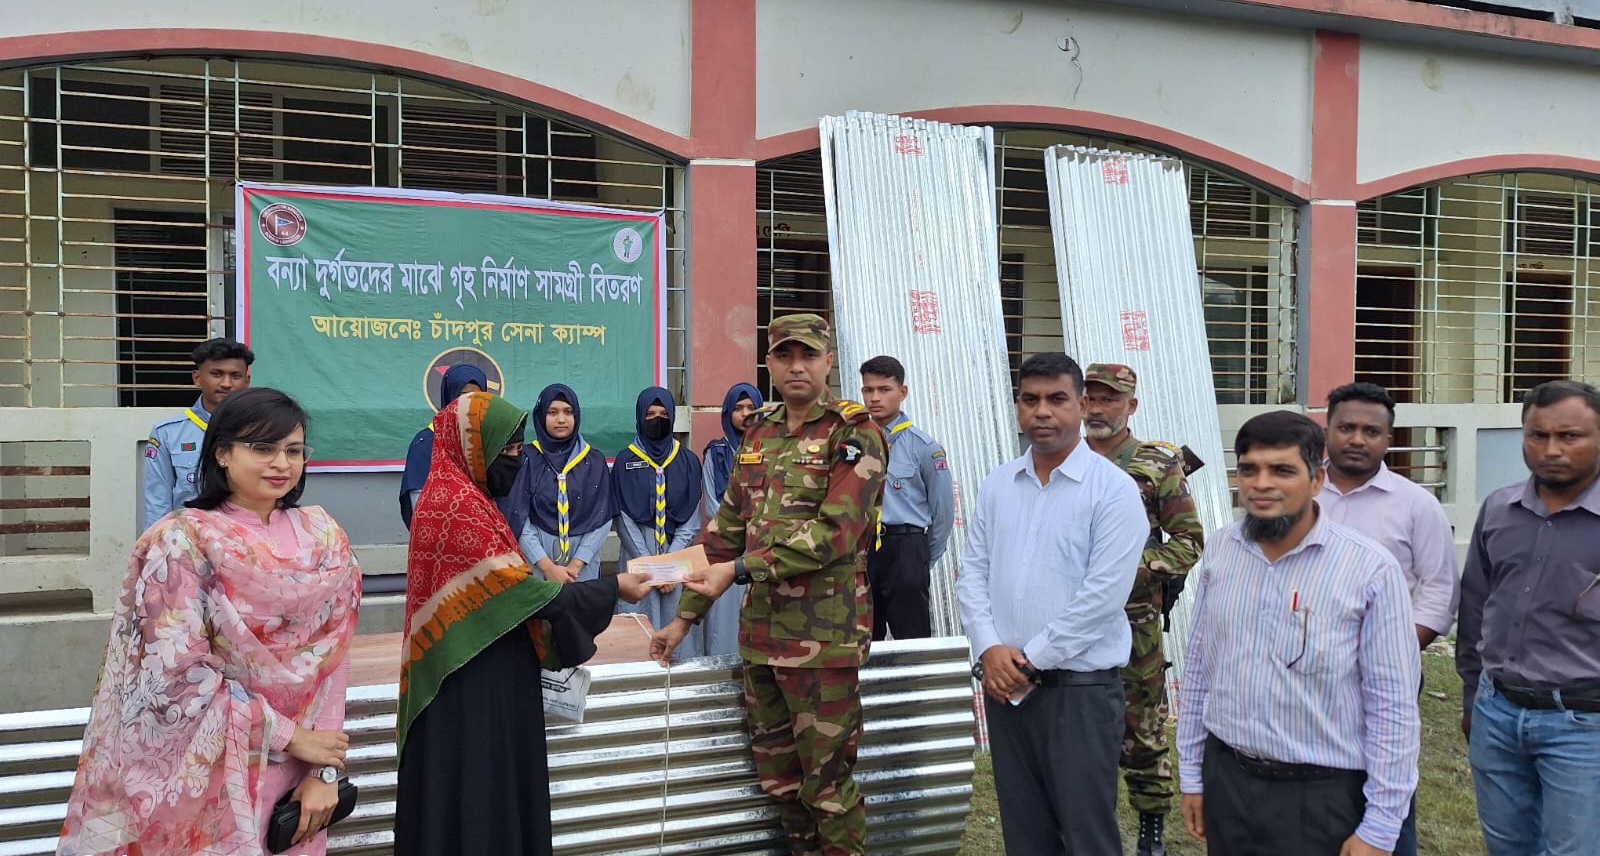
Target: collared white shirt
[
  {"x": 1309, "y": 659},
  {"x": 1047, "y": 568},
  {"x": 1409, "y": 522}
]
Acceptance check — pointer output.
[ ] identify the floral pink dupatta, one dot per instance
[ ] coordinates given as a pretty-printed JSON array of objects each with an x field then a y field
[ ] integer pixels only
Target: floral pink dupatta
[{"x": 216, "y": 645}]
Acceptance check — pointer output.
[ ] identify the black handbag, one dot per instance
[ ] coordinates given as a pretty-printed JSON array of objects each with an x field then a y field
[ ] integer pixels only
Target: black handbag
[{"x": 286, "y": 816}]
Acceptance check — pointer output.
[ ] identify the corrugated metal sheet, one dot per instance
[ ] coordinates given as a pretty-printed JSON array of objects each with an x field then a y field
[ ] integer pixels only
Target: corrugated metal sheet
[
  {"x": 916, "y": 275},
  {"x": 1129, "y": 294},
  {"x": 650, "y": 734}
]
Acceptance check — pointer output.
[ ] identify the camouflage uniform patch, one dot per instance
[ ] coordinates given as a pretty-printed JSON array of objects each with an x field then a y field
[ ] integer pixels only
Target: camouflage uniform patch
[
  {"x": 1146, "y": 751},
  {"x": 802, "y": 519},
  {"x": 800, "y": 509},
  {"x": 804, "y": 758}
]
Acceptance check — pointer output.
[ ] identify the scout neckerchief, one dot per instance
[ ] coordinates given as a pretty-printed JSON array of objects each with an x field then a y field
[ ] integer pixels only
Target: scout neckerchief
[
  {"x": 661, "y": 490},
  {"x": 564, "y": 505},
  {"x": 878, "y": 544},
  {"x": 194, "y": 417}
]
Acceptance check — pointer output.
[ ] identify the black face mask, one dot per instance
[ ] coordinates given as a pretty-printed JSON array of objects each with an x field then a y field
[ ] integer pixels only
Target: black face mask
[
  {"x": 501, "y": 475},
  {"x": 657, "y": 428}
]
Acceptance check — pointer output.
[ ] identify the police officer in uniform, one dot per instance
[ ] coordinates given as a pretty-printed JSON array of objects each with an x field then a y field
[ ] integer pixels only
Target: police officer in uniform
[
  {"x": 794, "y": 527},
  {"x": 172, "y": 454},
  {"x": 1159, "y": 470},
  {"x": 919, "y": 506}
]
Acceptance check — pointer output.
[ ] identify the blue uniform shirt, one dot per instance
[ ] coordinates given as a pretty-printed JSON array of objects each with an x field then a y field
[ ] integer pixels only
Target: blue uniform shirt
[
  {"x": 172, "y": 462},
  {"x": 918, "y": 490}
]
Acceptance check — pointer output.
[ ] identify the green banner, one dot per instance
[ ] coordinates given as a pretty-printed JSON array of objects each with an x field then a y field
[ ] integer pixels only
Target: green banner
[{"x": 356, "y": 301}]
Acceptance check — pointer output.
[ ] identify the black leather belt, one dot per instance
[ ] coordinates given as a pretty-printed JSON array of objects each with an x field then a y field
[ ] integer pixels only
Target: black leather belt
[
  {"x": 1279, "y": 771},
  {"x": 1584, "y": 698},
  {"x": 904, "y": 529},
  {"x": 1064, "y": 678}
]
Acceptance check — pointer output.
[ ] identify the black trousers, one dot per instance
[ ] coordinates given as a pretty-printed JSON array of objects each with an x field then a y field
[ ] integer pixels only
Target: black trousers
[
  {"x": 1250, "y": 816},
  {"x": 1055, "y": 767},
  {"x": 898, "y": 573}
]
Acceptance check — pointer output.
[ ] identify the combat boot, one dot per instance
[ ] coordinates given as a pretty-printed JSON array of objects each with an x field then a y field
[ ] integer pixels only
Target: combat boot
[{"x": 1152, "y": 830}]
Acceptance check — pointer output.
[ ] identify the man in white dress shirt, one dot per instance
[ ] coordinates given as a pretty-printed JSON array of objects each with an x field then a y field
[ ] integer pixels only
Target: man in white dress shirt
[{"x": 1052, "y": 551}]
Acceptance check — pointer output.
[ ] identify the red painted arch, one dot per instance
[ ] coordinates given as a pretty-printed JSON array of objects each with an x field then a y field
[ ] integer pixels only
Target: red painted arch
[
  {"x": 1014, "y": 115},
  {"x": 18, "y": 51},
  {"x": 1524, "y": 162}
]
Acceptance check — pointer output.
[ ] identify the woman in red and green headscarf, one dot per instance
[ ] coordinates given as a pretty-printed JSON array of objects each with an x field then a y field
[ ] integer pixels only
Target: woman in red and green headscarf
[{"x": 479, "y": 626}]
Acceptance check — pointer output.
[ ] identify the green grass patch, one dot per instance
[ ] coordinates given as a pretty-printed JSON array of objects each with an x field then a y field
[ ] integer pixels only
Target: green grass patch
[{"x": 1447, "y": 813}]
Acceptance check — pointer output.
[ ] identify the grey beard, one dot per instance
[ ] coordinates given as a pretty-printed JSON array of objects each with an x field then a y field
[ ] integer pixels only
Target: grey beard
[
  {"x": 1102, "y": 433},
  {"x": 1269, "y": 530}
]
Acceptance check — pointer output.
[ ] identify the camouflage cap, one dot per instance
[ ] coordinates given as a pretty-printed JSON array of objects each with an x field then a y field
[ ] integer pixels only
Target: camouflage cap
[
  {"x": 807, "y": 329},
  {"x": 1118, "y": 377}
]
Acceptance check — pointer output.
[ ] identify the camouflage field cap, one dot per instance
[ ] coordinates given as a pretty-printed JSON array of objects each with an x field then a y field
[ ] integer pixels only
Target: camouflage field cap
[
  {"x": 1118, "y": 377},
  {"x": 807, "y": 329}
]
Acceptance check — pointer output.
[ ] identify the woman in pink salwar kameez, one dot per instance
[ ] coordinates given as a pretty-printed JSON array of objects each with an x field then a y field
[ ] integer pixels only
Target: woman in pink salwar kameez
[{"x": 224, "y": 680}]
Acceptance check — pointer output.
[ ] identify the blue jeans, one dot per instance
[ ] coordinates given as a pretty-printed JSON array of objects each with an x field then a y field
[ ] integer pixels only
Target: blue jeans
[{"x": 1537, "y": 774}]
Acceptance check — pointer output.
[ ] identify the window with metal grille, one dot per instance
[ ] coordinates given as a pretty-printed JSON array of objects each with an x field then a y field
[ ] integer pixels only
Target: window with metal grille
[
  {"x": 1395, "y": 220},
  {"x": 1544, "y": 224},
  {"x": 161, "y": 305},
  {"x": 792, "y": 272},
  {"x": 1245, "y": 243},
  {"x": 1422, "y": 455},
  {"x": 116, "y": 198},
  {"x": 1222, "y": 208},
  {"x": 1490, "y": 295},
  {"x": 99, "y": 125}
]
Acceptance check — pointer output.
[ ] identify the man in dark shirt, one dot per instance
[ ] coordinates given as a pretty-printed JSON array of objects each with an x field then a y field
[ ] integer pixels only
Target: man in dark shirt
[{"x": 1528, "y": 647}]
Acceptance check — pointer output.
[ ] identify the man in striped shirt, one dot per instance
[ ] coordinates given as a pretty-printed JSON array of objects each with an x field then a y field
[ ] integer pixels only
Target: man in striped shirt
[{"x": 1298, "y": 729}]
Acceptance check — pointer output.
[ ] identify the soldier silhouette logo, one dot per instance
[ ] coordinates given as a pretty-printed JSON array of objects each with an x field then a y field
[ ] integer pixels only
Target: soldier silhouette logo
[{"x": 850, "y": 451}]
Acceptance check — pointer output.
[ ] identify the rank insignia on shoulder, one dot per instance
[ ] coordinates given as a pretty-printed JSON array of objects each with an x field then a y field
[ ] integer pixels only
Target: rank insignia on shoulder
[
  {"x": 748, "y": 458},
  {"x": 850, "y": 451}
]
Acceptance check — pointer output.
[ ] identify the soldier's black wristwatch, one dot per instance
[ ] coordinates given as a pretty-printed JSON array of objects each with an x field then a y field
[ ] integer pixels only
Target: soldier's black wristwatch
[{"x": 741, "y": 574}]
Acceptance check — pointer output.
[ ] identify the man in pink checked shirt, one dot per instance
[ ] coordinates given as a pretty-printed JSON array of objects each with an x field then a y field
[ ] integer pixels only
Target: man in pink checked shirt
[{"x": 1363, "y": 493}]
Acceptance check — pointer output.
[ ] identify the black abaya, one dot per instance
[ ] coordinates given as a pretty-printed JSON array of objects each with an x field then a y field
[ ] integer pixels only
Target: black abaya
[{"x": 474, "y": 777}]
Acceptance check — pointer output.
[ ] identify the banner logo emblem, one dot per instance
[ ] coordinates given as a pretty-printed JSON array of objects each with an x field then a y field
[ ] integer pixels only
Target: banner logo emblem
[
  {"x": 628, "y": 245},
  {"x": 433, "y": 381},
  {"x": 283, "y": 224}
]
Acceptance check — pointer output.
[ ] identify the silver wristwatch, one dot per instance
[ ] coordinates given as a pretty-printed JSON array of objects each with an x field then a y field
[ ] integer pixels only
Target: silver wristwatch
[{"x": 329, "y": 774}]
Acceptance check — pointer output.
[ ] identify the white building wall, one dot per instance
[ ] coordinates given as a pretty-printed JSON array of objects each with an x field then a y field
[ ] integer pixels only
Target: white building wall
[
  {"x": 1423, "y": 107},
  {"x": 626, "y": 55},
  {"x": 1240, "y": 87}
]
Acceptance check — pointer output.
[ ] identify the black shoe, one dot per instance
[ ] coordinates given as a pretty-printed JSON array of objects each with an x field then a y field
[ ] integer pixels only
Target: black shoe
[{"x": 1152, "y": 829}]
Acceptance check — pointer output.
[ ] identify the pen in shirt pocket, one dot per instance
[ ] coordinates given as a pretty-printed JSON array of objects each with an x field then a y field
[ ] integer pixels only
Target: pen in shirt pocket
[{"x": 1294, "y": 602}]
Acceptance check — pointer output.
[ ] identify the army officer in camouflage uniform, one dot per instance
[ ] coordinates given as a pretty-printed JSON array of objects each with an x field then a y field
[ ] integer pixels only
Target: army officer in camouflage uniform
[
  {"x": 1159, "y": 470},
  {"x": 794, "y": 527}
]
